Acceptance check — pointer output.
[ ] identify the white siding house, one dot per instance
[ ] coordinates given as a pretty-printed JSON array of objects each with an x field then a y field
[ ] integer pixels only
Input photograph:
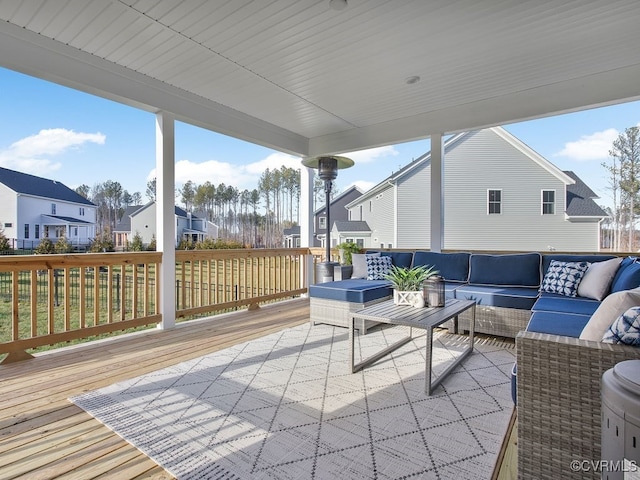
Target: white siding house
[
  {"x": 499, "y": 194},
  {"x": 33, "y": 208},
  {"x": 142, "y": 220}
]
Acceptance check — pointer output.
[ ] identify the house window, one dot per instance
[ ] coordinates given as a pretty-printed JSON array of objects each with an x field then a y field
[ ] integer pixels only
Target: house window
[
  {"x": 53, "y": 209},
  {"x": 360, "y": 209},
  {"x": 322, "y": 222},
  {"x": 369, "y": 205},
  {"x": 360, "y": 242},
  {"x": 8, "y": 225},
  {"x": 37, "y": 232},
  {"x": 548, "y": 202},
  {"x": 494, "y": 202},
  {"x": 75, "y": 231},
  {"x": 26, "y": 230},
  {"x": 81, "y": 212}
]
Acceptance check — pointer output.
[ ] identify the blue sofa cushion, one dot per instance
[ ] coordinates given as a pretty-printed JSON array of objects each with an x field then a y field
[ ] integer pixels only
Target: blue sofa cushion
[
  {"x": 564, "y": 257},
  {"x": 399, "y": 259},
  {"x": 564, "y": 277},
  {"x": 552, "y": 302},
  {"x": 516, "y": 270},
  {"x": 451, "y": 266},
  {"x": 556, "y": 323},
  {"x": 353, "y": 290},
  {"x": 508, "y": 297},
  {"x": 627, "y": 277}
]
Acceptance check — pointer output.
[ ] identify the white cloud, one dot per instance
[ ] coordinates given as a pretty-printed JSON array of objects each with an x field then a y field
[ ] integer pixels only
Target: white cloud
[
  {"x": 590, "y": 147},
  {"x": 363, "y": 185},
  {"x": 372, "y": 154},
  {"x": 240, "y": 176},
  {"x": 31, "y": 154}
]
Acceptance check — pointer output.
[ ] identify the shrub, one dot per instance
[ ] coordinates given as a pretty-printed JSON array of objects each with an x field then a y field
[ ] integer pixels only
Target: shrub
[
  {"x": 63, "y": 246},
  {"x": 45, "y": 246},
  {"x": 136, "y": 243}
]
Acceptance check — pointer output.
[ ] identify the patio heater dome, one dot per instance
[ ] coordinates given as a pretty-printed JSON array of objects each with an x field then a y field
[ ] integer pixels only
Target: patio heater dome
[{"x": 327, "y": 167}]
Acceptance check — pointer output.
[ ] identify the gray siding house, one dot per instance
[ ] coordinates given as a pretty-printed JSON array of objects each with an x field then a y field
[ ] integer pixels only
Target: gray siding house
[
  {"x": 338, "y": 213},
  {"x": 499, "y": 194},
  {"x": 142, "y": 220}
]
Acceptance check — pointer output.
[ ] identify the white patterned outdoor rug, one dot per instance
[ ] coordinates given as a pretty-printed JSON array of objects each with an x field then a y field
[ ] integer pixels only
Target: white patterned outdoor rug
[{"x": 285, "y": 406}]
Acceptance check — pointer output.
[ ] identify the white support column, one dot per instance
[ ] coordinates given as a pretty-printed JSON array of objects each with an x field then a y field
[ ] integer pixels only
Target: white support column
[
  {"x": 165, "y": 216},
  {"x": 437, "y": 200},
  {"x": 306, "y": 220}
]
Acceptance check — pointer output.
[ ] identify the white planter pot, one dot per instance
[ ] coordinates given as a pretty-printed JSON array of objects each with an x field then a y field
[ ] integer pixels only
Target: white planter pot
[{"x": 415, "y": 299}]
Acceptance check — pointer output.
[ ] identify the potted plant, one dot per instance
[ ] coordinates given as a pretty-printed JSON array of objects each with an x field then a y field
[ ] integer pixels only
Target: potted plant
[
  {"x": 408, "y": 282},
  {"x": 345, "y": 250}
]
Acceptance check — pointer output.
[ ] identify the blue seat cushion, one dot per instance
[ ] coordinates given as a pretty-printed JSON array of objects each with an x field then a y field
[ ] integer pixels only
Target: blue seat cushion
[
  {"x": 507, "y": 297},
  {"x": 450, "y": 266},
  {"x": 556, "y": 323},
  {"x": 515, "y": 270},
  {"x": 450, "y": 289},
  {"x": 353, "y": 290},
  {"x": 399, "y": 259},
  {"x": 627, "y": 276},
  {"x": 553, "y": 302}
]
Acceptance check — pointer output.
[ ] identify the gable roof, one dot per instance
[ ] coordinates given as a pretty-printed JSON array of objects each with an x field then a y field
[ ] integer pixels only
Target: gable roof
[
  {"x": 455, "y": 139},
  {"x": 351, "y": 226},
  {"x": 580, "y": 201},
  {"x": 40, "y": 187},
  {"x": 335, "y": 200}
]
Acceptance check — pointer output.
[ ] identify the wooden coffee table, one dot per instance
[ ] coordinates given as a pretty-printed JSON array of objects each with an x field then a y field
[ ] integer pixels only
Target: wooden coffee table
[{"x": 424, "y": 318}]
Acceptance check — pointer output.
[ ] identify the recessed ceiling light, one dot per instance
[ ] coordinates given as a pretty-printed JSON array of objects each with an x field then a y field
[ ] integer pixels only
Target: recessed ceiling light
[
  {"x": 338, "y": 4},
  {"x": 413, "y": 79}
]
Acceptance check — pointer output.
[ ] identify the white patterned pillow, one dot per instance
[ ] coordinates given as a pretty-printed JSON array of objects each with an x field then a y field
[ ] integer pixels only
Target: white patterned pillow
[
  {"x": 378, "y": 267},
  {"x": 626, "y": 329},
  {"x": 564, "y": 277}
]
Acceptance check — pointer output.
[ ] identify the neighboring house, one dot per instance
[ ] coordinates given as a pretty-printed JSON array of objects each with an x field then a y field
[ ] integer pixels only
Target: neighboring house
[
  {"x": 291, "y": 237},
  {"x": 498, "y": 194},
  {"x": 142, "y": 220},
  {"x": 338, "y": 213},
  {"x": 33, "y": 208},
  {"x": 354, "y": 231}
]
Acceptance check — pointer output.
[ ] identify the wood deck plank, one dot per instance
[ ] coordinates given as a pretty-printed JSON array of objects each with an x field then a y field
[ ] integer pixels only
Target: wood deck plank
[{"x": 43, "y": 435}]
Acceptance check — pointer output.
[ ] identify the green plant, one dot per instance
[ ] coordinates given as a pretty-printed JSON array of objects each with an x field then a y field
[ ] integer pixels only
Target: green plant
[
  {"x": 346, "y": 249},
  {"x": 411, "y": 279}
]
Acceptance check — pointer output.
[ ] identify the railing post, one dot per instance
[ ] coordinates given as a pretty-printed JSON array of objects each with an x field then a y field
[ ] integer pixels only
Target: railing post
[
  {"x": 117, "y": 292},
  {"x": 56, "y": 302}
]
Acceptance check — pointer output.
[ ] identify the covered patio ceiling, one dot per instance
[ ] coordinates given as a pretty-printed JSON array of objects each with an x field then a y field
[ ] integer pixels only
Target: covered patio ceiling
[{"x": 304, "y": 78}]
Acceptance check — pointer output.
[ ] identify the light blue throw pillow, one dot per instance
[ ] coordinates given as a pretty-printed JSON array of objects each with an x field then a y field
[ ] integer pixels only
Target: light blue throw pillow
[
  {"x": 378, "y": 267},
  {"x": 563, "y": 278},
  {"x": 625, "y": 329}
]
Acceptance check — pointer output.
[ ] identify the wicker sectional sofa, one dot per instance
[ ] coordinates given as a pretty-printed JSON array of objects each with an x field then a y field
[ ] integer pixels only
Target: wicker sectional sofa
[{"x": 558, "y": 374}]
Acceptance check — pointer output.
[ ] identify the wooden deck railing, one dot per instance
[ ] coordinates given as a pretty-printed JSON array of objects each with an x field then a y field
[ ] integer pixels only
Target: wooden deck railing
[
  {"x": 51, "y": 299},
  {"x": 208, "y": 280}
]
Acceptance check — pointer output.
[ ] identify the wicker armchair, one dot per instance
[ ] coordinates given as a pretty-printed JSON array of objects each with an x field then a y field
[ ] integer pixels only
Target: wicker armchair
[{"x": 559, "y": 405}]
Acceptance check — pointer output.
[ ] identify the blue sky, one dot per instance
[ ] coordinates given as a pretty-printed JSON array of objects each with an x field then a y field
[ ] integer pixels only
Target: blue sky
[{"x": 76, "y": 138}]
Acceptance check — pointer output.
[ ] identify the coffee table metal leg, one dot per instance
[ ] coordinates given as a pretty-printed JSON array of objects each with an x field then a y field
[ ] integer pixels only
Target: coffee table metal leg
[
  {"x": 431, "y": 386},
  {"x": 355, "y": 367}
]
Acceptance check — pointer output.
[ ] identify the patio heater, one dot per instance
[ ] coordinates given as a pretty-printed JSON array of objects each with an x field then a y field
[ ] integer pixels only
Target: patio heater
[{"x": 327, "y": 171}]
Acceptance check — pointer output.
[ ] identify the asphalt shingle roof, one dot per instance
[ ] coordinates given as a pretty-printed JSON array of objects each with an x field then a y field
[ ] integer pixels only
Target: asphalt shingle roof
[
  {"x": 352, "y": 226},
  {"x": 40, "y": 187},
  {"x": 580, "y": 201}
]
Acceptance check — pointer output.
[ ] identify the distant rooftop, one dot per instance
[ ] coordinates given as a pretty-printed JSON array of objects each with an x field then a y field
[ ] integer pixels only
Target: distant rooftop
[{"x": 40, "y": 187}]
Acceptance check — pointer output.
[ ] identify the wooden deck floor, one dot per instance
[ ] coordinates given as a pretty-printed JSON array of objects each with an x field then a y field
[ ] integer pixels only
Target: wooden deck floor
[{"x": 43, "y": 435}]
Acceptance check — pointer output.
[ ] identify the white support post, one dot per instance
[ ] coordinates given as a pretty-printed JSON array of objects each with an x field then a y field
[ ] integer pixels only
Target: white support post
[
  {"x": 165, "y": 217},
  {"x": 306, "y": 221},
  {"x": 437, "y": 201}
]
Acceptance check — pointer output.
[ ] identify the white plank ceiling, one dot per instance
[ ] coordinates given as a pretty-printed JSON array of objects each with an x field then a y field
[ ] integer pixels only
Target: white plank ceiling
[{"x": 301, "y": 77}]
